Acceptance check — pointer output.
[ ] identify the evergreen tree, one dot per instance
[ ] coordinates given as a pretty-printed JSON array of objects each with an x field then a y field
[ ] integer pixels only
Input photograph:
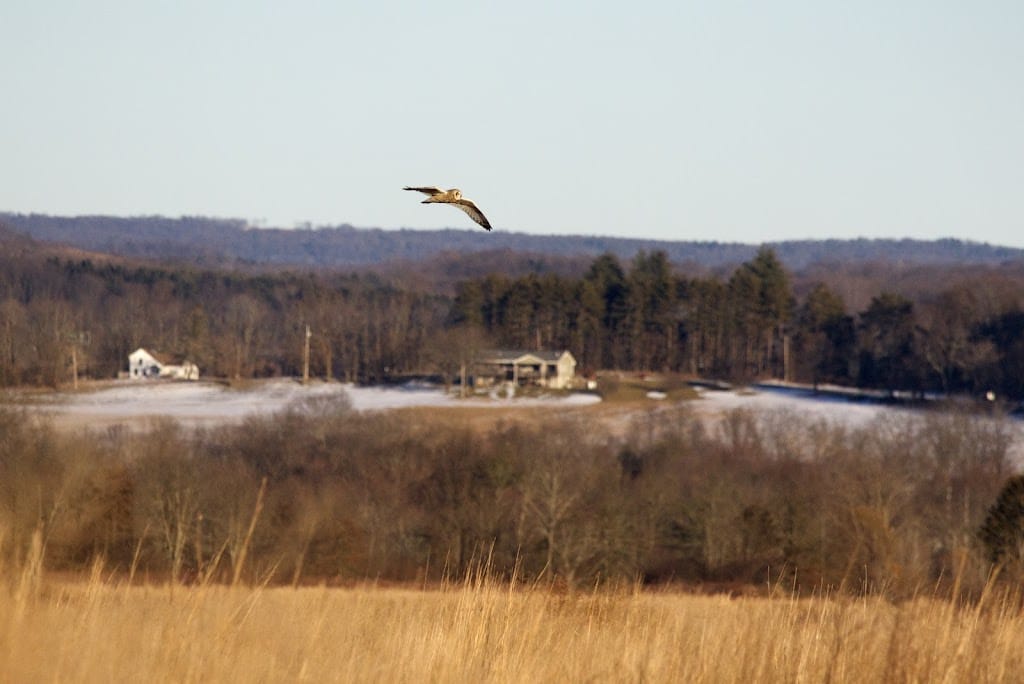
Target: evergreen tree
[
  {"x": 651, "y": 298},
  {"x": 887, "y": 357},
  {"x": 825, "y": 337},
  {"x": 761, "y": 304},
  {"x": 706, "y": 322},
  {"x": 608, "y": 281},
  {"x": 1002, "y": 533}
]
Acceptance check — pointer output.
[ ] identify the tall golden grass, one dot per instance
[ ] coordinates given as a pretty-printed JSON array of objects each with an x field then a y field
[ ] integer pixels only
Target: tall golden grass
[{"x": 100, "y": 629}]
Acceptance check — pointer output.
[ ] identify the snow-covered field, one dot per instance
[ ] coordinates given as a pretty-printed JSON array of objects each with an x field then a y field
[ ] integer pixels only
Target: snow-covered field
[
  {"x": 851, "y": 413},
  {"x": 200, "y": 402},
  {"x": 203, "y": 403},
  {"x": 855, "y": 412}
]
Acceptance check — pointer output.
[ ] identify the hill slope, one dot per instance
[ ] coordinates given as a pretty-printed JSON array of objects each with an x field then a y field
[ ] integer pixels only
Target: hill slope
[{"x": 221, "y": 241}]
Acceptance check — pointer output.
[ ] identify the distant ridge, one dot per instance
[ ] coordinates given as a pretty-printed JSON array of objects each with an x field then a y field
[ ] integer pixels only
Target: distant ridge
[
  {"x": 215, "y": 241},
  {"x": 19, "y": 245}
]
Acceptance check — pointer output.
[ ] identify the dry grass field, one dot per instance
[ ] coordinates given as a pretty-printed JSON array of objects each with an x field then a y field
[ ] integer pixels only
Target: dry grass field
[
  {"x": 104, "y": 628},
  {"x": 100, "y": 630}
]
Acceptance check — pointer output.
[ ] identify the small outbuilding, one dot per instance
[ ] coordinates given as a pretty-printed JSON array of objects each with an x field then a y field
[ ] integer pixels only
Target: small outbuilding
[{"x": 144, "y": 364}]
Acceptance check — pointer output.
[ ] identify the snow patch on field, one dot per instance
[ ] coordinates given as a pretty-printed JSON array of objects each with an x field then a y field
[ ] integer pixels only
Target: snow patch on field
[
  {"x": 210, "y": 402},
  {"x": 807, "y": 405},
  {"x": 852, "y": 412}
]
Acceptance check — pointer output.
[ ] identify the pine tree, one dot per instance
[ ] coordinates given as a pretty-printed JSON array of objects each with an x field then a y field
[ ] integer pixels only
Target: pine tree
[{"x": 1002, "y": 533}]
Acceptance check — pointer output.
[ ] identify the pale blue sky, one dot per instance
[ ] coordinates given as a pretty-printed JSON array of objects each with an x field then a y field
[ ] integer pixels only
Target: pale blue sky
[{"x": 730, "y": 121}]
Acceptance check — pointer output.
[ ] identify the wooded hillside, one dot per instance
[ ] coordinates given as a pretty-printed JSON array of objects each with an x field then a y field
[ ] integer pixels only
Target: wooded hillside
[
  {"x": 959, "y": 331},
  {"x": 229, "y": 241}
]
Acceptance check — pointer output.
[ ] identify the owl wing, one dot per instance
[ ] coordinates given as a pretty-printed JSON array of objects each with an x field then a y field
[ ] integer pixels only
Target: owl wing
[
  {"x": 426, "y": 190},
  {"x": 474, "y": 213}
]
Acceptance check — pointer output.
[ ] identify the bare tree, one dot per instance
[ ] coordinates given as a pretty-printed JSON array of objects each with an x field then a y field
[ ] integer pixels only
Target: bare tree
[{"x": 168, "y": 490}]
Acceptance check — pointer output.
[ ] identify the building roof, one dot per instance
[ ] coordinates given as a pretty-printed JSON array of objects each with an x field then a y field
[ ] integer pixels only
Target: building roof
[
  {"x": 161, "y": 357},
  {"x": 522, "y": 356}
]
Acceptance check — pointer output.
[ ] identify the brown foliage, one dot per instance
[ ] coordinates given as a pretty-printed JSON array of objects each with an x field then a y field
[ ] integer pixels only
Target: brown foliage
[{"x": 892, "y": 507}]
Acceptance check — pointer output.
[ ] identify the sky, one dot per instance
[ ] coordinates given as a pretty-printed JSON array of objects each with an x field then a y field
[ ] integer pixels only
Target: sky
[{"x": 726, "y": 121}]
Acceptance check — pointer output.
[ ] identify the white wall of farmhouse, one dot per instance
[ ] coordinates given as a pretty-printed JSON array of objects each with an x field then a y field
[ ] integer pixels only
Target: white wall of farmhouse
[
  {"x": 565, "y": 372},
  {"x": 142, "y": 364}
]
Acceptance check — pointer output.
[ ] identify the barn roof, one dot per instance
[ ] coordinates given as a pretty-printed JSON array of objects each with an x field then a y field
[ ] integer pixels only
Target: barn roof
[{"x": 161, "y": 357}]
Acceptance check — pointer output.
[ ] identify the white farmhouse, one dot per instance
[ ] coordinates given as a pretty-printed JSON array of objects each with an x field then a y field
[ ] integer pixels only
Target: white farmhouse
[
  {"x": 554, "y": 369},
  {"x": 144, "y": 364}
]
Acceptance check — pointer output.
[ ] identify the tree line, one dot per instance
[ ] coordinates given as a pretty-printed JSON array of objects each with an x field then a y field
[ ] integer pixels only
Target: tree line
[
  {"x": 319, "y": 492},
  {"x": 59, "y": 315},
  {"x": 750, "y": 325},
  {"x": 232, "y": 324}
]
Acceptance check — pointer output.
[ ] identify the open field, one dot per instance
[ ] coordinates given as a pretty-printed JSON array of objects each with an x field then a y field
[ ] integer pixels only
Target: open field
[
  {"x": 65, "y": 625},
  {"x": 477, "y": 631},
  {"x": 212, "y": 403},
  {"x": 208, "y": 404}
]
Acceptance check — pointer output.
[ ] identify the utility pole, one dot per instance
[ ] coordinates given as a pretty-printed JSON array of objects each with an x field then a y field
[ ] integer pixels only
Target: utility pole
[
  {"x": 786, "y": 366},
  {"x": 77, "y": 339},
  {"x": 305, "y": 358}
]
